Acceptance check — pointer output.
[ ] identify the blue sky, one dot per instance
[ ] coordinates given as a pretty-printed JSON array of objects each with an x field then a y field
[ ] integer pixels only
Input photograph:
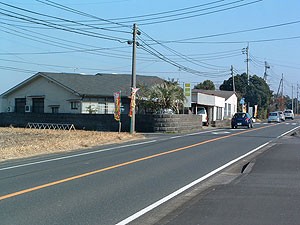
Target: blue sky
[{"x": 208, "y": 41}]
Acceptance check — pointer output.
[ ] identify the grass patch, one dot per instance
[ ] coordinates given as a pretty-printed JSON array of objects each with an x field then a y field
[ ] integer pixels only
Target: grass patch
[{"x": 19, "y": 142}]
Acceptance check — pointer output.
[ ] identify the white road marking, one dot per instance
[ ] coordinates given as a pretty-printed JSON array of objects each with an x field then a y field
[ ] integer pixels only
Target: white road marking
[
  {"x": 92, "y": 152},
  {"x": 202, "y": 132},
  {"x": 75, "y": 155},
  {"x": 223, "y": 132},
  {"x": 181, "y": 190},
  {"x": 288, "y": 132},
  {"x": 175, "y": 137}
]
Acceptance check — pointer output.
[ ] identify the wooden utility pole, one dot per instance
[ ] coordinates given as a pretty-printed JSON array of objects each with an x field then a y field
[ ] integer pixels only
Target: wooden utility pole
[
  {"x": 232, "y": 74},
  {"x": 247, "y": 52},
  {"x": 133, "y": 75}
]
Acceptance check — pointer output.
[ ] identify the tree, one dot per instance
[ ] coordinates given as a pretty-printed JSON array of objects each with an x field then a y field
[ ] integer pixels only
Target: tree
[
  {"x": 206, "y": 85},
  {"x": 167, "y": 95},
  {"x": 256, "y": 93}
]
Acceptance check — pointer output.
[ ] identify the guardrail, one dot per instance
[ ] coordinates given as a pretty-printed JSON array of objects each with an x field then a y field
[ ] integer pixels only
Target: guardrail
[{"x": 52, "y": 126}]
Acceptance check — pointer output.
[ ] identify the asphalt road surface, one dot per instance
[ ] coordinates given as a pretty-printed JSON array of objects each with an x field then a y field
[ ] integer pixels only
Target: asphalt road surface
[{"x": 119, "y": 184}]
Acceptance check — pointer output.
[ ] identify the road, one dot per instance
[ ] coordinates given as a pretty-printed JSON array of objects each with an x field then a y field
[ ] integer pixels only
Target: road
[{"x": 119, "y": 183}]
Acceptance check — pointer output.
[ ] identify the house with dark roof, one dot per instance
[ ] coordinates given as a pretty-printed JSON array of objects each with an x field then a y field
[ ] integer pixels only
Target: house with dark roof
[
  {"x": 71, "y": 93},
  {"x": 219, "y": 104}
]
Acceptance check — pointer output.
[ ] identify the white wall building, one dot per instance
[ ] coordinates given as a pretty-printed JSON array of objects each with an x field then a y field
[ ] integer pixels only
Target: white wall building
[
  {"x": 71, "y": 93},
  {"x": 219, "y": 104}
]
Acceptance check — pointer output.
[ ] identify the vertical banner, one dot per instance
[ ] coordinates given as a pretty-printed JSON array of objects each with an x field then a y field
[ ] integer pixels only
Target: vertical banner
[
  {"x": 188, "y": 95},
  {"x": 255, "y": 111},
  {"x": 132, "y": 102},
  {"x": 117, "y": 99}
]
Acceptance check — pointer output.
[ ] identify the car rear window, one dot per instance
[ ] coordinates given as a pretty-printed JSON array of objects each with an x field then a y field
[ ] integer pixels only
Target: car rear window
[
  {"x": 240, "y": 115},
  {"x": 288, "y": 111},
  {"x": 273, "y": 114}
]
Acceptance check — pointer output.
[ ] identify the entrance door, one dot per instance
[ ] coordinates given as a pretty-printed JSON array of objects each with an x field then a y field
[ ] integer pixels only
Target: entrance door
[
  {"x": 20, "y": 105},
  {"x": 38, "y": 105}
]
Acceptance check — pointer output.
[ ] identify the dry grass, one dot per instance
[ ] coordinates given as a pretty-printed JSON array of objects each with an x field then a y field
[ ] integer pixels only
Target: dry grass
[{"x": 20, "y": 142}]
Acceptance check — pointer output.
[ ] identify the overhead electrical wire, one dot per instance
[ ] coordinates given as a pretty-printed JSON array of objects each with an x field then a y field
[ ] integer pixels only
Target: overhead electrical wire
[
  {"x": 145, "y": 45},
  {"x": 69, "y": 9},
  {"x": 71, "y": 48},
  {"x": 165, "y": 12},
  {"x": 160, "y": 19},
  {"x": 166, "y": 59},
  {"x": 54, "y": 25},
  {"x": 65, "y": 42},
  {"x": 178, "y": 65},
  {"x": 186, "y": 40},
  {"x": 201, "y": 14}
]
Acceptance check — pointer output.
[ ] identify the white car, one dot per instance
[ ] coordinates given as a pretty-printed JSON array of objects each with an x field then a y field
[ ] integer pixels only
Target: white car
[
  {"x": 274, "y": 117},
  {"x": 202, "y": 111},
  {"x": 289, "y": 114}
]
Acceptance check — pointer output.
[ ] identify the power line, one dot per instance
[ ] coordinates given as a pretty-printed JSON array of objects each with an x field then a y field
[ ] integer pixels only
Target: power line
[
  {"x": 202, "y": 14},
  {"x": 185, "y": 57},
  {"x": 65, "y": 8},
  {"x": 183, "y": 15},
  {"x": 54, "y": 25},
  {"x": 179, "y": 13},
  {"x": 187, "y": 40}
]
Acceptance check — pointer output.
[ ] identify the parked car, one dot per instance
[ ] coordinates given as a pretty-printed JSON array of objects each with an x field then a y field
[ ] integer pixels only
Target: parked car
[
  {"x": 281, "y": 115},
  {"x": 241, "y": 119},
  {"x": 202, "y": 111},
  {"x": 289, "y": 114},
  {"x": 274, "y": 117}
]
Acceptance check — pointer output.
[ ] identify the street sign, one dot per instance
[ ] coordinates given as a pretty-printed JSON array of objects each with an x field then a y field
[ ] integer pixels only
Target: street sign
[{"x": 188, "y": 95}]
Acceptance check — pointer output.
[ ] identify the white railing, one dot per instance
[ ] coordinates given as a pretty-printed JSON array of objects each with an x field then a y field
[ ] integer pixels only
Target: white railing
[{"x": 52, "y": 126}]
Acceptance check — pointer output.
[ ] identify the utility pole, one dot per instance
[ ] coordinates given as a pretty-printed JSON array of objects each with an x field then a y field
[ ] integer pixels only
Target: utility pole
[
  {"x": 297, "y": 104},
  {"x": 282, "y": 87},
  {"x": 293, "y": 97},
  {"x": 248, "y": 62},
  {"x": 233, "y": 84},
  {"x": 133, "y": 74},
  {"x": 282, "y": 99},
  {"x": 265, "y": 74},
  {"x": 246, "y": 51}
]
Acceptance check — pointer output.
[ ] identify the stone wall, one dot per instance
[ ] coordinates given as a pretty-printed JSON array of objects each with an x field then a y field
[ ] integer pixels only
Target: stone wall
[
  {"x": 221, "y": 123},
  {"x": 144, "y": 123}
]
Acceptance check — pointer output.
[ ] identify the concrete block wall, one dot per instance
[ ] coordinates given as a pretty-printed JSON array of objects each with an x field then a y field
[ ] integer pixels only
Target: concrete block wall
[{"x": 144, "y": 123}]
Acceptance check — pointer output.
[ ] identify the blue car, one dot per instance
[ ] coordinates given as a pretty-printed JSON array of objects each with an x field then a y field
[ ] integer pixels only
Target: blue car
[{"x": 241, "y": 119}]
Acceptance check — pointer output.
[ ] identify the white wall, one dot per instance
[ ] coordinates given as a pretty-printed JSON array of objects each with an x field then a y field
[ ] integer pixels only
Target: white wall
[
  {"x": 210, "y": 100},
  {"x": 233, "y": 106},
  {"x": 53, "y": 95}
]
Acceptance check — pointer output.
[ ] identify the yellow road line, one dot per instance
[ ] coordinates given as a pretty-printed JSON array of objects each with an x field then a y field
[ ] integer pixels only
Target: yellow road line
[{"x": 119, "y": 165}]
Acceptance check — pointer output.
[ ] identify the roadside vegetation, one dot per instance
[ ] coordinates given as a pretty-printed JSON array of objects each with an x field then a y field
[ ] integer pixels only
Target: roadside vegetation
[{"x": 20, "y": 142}]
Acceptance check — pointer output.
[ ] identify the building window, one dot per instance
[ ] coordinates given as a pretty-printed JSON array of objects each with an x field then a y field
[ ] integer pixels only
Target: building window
[
  {"x": 226, "y": 112},
  {"x": 38, "y": 105},
  {"x": 110, "y": 108},
  {"x": 55, "y": 109},
  {"x": 74, "y": 105},
  {"x": 20, "y": 105},
  {"x": 229, "y": 110},
  {"x": 101, "y": 108},
  {"x": 219, "y": 113}
]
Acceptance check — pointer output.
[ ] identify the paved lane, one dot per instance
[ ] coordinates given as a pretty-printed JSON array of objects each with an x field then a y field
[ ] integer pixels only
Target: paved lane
[{"x": 109, "y": 185}]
